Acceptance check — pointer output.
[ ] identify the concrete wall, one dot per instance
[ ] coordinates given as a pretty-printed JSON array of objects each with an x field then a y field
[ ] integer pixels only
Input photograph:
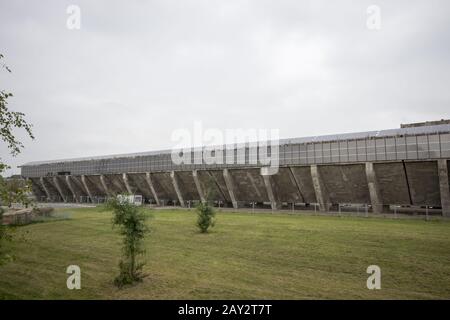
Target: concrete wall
[
  {"x": 139, "y": 185},
  {"x": 164, "y": 186},
  {"x": 448, "y": 173},
  {"x": 50, "y": 189},
  {"x": 392, "y": 182},
  {"x": 345, "y": 183},
  {"x": 37, "y": 188},
  {"x": 417, "y": 183},
  {"x": 64, "y": 191},
  {"x": 95, "y": 186},
  {"x": 115, "y": 184},
  {"x": 423, "y": 181},
  {"x": 285, "y": 187},
  {"x": 249, "y": 185},
  {"x": 76, "y": 185},
  {"x": 304, "y": 181},
  {"x": 409, "y": 183},
  {"x": 214, "y": 179},
  {"x": 187, "y": 185}
]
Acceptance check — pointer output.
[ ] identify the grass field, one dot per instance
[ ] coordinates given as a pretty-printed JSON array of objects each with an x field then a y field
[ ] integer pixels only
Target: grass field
[{"x": 246, "y": 256}]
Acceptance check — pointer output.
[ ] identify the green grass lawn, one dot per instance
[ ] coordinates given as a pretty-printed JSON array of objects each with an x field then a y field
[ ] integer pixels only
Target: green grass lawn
[{"x": 246, "y": 256}]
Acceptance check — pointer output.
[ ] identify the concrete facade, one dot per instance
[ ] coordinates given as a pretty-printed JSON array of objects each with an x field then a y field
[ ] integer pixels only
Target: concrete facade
[
  {"x": 444, "y": 186},
  {"x": 418, "y": 183},
  {"x": 417, "y": 177},
  {"x": 374, "y": 190},
  {"x": 176, "y": 187},
  {"x": 319, "y": 188}
]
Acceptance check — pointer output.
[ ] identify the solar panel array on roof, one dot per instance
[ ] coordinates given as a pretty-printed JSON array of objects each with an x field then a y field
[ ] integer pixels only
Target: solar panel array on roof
[
  {"x": 412, "y": 143},
  {"x": 323, "y": 138}
]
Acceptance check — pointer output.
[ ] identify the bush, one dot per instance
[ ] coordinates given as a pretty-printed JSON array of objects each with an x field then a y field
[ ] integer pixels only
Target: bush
[
  {"x": 131, "y": 222},
  {"x": 15, "y": 191},
  {"x": 4, "y": 236},
  {"x": 205, "y": 217}
]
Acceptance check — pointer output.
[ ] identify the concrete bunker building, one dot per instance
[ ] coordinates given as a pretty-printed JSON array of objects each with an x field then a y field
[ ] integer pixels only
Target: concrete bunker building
[{"x": 377, "y": 169}]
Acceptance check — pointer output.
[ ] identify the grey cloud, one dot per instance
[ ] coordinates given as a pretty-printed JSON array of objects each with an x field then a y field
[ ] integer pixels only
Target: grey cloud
[{"x": 138, "y": 70}]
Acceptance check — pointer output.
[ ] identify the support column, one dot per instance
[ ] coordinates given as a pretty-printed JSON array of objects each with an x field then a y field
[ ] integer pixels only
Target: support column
[
  {"x": 176, "y": 187},
  {"x": 104, "y": 185},
  {"x": 198, "y": 185},
  {"x": 83, "y": 180},
  {"x": 372, "y": 183},
  {"x": 296, "y": 183},
  {"x": 127, "y": 183},
  {"x": 319, "y": 189},
  {"x": 69, "y": 184},
  {"x": 444, "y": 187},
  {"x": 267, "y": 177},
  {"x": 45, "y": 188},
  {"x": 58, "y": 188},
  {"x": 230, "y": 186},
  {"x": 148, "y": 178}
]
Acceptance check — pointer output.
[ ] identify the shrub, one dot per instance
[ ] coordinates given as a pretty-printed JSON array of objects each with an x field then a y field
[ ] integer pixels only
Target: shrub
[
  {"x": 205, "y": 217},
  {"x": 15, "y": 191},
  {"x": 4, "y": 236},
  {"x": 131, "y": 222}
]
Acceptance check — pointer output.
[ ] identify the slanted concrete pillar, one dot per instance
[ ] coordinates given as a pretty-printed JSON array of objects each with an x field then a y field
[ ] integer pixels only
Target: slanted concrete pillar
[
  {"x": 319, "y": 189},
  {"x": 45, "y": 188},
  {"x": 83, "y": 180},
  {"x": 177, "y": 188},
  {"x": 71, "y": 188},
  {"x": 127, "y": 183},
  {"x": 267, "y": 177},
  {"x": 104, "y": 185},
  {"x": 59, "y": 189},
  {"x": 296, "y": 183},
  {"x": 148, "y": 178},
  {"x": 372, "y": 183},
  {"x": 198, "y": 185},
  {"x": 444, "y": 187},
  {"x": 230, "y": 186}
]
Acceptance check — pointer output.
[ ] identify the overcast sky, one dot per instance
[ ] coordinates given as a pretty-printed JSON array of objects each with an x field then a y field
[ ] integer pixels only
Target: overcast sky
[{"x": 138, "y": 70}]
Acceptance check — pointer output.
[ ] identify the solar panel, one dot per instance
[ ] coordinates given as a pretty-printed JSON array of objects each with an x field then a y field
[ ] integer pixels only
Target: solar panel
[{"x": 410, "y": 131}]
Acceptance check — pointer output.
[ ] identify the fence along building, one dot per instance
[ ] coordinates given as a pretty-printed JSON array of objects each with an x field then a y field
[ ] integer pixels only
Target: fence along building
[{"x": 378, "y": 169}]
